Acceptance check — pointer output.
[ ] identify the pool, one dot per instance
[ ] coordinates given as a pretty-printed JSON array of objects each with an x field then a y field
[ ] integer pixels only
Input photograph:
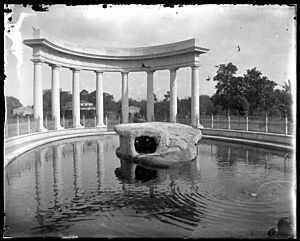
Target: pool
[{"x": 78, "y": 187}]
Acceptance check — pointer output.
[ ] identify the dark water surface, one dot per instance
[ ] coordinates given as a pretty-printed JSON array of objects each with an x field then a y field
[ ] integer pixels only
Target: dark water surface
[{"x": 79, "y": 187}]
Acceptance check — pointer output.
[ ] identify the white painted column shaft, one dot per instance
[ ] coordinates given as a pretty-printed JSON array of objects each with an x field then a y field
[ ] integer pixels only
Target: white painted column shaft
[
  {"x": 150, "y": 99},
  {"x": 55, "y": 98},
  {"x": 173, "y": 95},
  {"x": 76, "y": 99},
  {"x": 125, "y": 104},
  {"x": 38, "y": 94},
  {"x": 99, "y": 98},
  {"x": 195, "y": 97}
]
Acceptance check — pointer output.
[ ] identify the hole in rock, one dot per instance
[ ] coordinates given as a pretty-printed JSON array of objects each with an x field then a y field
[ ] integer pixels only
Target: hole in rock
[
  {"x": 144, "y": 174},
  {"x": 145, "y": 144}
]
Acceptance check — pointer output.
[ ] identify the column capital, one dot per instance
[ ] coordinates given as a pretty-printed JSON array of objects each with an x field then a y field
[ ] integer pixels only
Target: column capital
[
  {"x": 195, "y": 66},
  {"x": 150, "y": 71},
  {"x": 75, "y": 69},
  {"x": 37, "y": 61},
  {"x": 99, "y": 71},
  {"x": 54, "y": 66},
  {"x": 174, "y": 69},
  {"x": 125, "y": 72}
]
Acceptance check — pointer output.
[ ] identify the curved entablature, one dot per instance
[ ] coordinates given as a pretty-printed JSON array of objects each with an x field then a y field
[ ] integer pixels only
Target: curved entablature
[{"x": 52, "y": 50}]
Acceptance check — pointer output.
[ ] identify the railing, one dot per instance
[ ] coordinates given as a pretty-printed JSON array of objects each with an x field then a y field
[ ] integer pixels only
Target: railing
[
  {"x": 21, "y": 126},
  {"x": 244, "y": 123}
]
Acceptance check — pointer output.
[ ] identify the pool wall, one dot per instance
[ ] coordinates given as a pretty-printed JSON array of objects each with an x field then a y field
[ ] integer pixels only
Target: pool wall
[
  {"x": 15, "y": 146},
  {"x": 277, "y": 141}
]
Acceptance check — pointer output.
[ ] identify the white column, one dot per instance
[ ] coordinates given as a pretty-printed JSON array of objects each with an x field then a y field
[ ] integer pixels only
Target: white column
[
  {"x": 195, "y": 97},
  {"x": 150, "y": 99},
  {"x": 125, "y": 104},
  {"x": 173, "y": 95},
  {"x": 55, "y": 98},
  {"x": 99, "y": 98},
  {"x": 76, "y": 99},
  {"x": 38, "y": 94}
]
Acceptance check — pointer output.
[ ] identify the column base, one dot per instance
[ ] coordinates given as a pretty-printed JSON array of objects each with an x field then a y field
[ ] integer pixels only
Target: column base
[
  {"x": 42, "y": 129},
  {"x": 101, "y": 125},
  {"x": 78, "y": 126},
  {"x": 200, "y": 126},
  {"x": 60, "y": 128}
]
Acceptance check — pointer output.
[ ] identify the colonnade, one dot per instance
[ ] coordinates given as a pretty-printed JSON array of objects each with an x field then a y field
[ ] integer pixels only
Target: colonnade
[{"x": 55, "y": 96}]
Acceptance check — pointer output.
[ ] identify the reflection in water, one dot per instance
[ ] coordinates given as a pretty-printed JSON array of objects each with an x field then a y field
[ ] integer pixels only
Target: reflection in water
[
  {"x": 77, "y": 147},
  {"x": 39, "y": 181},
  {"x": 207, "y": 197},
  {"x": 174, "y": 206},
  {"x": 57, "y": 174},
  {"x": 100, "y": 164},
  {"x": 129, "y": 172}
]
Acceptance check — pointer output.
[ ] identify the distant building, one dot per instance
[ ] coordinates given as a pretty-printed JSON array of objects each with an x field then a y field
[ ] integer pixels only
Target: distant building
[
  {"x": 134, "y": 110},
  {"x": 86, "y": 108},
  {"x": 84, "y": 105},
  {"x": 23, "y": 111}
]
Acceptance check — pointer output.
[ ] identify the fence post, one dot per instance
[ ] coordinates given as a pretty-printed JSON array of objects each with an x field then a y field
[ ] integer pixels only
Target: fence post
[
  {"x": 197, "y": 121},
  {"x": 247, "y": 126},
  {"x": 106, "y": 120},
  {"x": 38, "y": 123},
  {"x": 18, "y": 127},
  {"x": 286, "y": 124},
  {"x": 55, "y": 124},
  {"x": 46, "y": 122},
  {"x": 64, "y": 121},
  {"x": 83, "y": 117},
  {"x": 228, "y": 122},
  {"x": 212, "y": 121},
  {"x": 28, "y": 124},
  {"x": 95, "y": 118},
  {"x": 266, "y": 123}
]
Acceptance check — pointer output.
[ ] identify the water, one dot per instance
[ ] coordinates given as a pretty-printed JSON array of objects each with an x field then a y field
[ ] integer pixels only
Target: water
[{"x": 80, "y": 188}]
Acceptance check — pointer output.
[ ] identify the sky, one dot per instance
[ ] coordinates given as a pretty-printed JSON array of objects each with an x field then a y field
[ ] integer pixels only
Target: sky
[{"x": 266, "y": 36}]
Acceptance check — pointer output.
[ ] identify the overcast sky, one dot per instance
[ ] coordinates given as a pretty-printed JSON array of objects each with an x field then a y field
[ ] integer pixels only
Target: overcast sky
[{"x": 265, "y": 35}]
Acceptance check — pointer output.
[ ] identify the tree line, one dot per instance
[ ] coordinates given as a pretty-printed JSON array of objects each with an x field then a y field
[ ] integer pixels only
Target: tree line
[{"x": 252, "y": 94}]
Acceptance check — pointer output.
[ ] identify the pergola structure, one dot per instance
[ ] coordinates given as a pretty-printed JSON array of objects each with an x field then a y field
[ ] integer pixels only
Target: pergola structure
[{"x": 58, "y": 53}]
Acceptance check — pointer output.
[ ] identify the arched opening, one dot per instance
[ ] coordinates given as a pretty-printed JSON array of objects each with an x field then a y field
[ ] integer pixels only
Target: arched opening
[{"x": 145, "y": 144}]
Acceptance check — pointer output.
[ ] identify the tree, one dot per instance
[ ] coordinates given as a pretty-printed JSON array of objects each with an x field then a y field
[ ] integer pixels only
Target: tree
[
  {"x": 184, "y": 107},
  {"x": 155, "y": 98},
  {"x": 84, "y": 95},
  {"x": 47, "y": 102},
  {"x": 167, "y": 96},
  {"x": 206, "y": 105},
  {"x": 11, "y": 104},
  {"x": 224, "y": 90},
  {"x": 65, "y": 97},
  {"x": 284, "y": 99},
  {"x": 253, "y": 93},
  {"x": 260, "y": 91}
]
